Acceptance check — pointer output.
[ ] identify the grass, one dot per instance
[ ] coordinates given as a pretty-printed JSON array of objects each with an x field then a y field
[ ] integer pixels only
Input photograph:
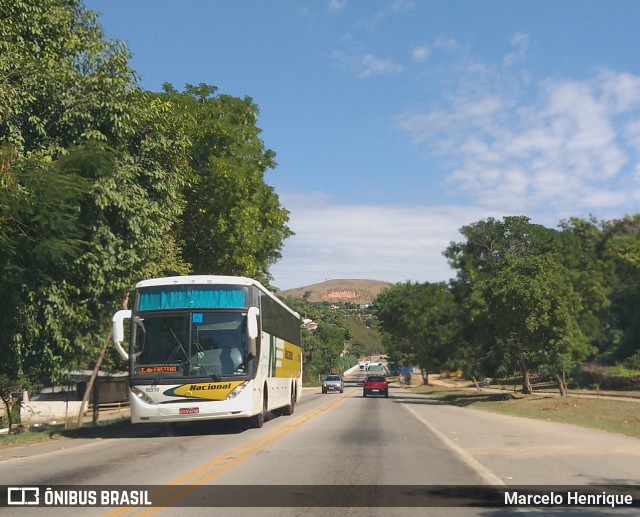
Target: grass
[
  {"x": 109, "y": 429},
  {"x": 360, "y": 333},
  {"x": 617, "y": 416}
]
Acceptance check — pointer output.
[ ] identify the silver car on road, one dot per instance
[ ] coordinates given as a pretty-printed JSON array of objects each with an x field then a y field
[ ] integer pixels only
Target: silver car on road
[{"x": 332, "y": 383}]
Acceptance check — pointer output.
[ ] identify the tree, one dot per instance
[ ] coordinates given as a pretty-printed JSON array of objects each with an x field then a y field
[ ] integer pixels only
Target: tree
[
  {"x": 233, "y": 222},
  {"x": 40, "y": 232},
  {"x": 483, "y": 256},
  {"x": 356, "y": 349},
  {"x": 420, "y": 323},
  {"x": 8, "y": 387},
  {"x": 531, "y": 307},
  {"x": 331, "y": 338},
  {"x": 489, "y": 241},
  {"x": 621, "y": 249},
  {"x": 102, "y": 184},
  {"x": 89, "y": 184},
  {"x": 62, "y": 82},
  {"x": 581, "y": 252}
]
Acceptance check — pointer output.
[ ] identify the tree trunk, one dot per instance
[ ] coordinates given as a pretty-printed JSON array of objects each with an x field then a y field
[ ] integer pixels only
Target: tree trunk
[
  {"x": 475, "y": 383},
  {"x": 85, "y": 398},
  {"x": 66, "y": 407},
  {"x": 562, "y": 385},
  {"x": 526, "y": 382},
  {"x": 96, "y": 405},
  {"x": 425, "y": 376},
  {"x": 8, "y": 407}
]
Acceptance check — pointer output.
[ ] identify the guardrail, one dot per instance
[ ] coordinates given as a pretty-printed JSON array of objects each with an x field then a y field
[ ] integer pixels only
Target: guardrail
[{"x": 110, "y": 406}]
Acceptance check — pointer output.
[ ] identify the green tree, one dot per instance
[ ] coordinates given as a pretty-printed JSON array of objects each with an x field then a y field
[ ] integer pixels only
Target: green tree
[
  {"x": 40, "y": 232},
  {"x": 420, "y": 323},
  {"x": 482, "y": 256},
  {"x": 621, "y": 249},
  {"x": 233, "y": 222},
  {"x": 90, "y": 185},
  {"x": 331, "y": 337},
  {"x": 62, "y": 82},
  {"x": 489, "y": 241},
  {"x": 356, "y": 349},
  {"x": 79, "y": 232},
  {"x": 530, "y": 305},
  {"x": 102, "y": 184}
]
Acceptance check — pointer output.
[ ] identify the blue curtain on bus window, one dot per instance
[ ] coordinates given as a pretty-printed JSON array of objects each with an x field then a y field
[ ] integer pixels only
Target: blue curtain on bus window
[{"x": 202, "y": 297}]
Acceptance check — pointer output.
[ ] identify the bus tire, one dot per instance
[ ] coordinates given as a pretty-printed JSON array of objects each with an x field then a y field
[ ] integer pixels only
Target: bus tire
[
  {"x": 257, "y": 421},
  {"x": 288, "y": 409}
]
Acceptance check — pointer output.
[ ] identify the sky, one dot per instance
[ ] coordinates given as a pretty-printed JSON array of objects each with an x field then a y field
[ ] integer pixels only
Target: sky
[{"x": 397, "y": 122}]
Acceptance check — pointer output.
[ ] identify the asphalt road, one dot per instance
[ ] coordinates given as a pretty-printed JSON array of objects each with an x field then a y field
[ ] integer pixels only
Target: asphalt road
[{"x": 331, "y": 443}]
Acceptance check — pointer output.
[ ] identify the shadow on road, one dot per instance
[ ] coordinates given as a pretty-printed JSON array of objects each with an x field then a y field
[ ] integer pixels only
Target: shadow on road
[
  {"x": 414, "y": 399},
  {"x": 461, "y": 399},
  {"x": 125, "y": 429}
]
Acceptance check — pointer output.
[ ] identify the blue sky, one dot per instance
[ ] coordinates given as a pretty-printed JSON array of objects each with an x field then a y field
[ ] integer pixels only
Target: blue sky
[{"x": 396, "y": 122}]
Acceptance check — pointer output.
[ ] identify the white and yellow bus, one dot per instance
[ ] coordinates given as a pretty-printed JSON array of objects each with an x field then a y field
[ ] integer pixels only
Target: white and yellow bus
[{"x": 209, "y": 347}]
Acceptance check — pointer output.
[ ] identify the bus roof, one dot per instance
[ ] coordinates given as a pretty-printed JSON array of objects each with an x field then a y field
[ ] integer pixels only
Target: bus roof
[{"x": 212, "y": 280}]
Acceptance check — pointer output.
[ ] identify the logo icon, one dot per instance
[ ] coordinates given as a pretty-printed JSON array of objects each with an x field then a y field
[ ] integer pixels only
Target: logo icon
[{"x": 23, "y": 496}]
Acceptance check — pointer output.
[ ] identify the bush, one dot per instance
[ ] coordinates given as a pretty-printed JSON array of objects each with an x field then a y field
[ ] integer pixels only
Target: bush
[
  {"x": 617, "y": 377},
  {"x": 633, "y": 362}
]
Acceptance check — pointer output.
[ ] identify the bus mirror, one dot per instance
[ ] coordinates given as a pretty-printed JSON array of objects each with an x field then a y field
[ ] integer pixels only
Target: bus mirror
[
  {"x": 117, "y": 331},
  {"x": 252, "y": 329},
  {"x": 252, "y": 322}
]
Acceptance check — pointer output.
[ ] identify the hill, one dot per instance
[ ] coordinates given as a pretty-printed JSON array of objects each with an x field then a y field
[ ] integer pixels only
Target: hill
[{"x": 352, "y": 291}]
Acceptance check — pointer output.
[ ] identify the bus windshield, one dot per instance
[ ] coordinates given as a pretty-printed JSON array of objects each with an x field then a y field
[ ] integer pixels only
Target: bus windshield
[{"x": 190, "y": 344}]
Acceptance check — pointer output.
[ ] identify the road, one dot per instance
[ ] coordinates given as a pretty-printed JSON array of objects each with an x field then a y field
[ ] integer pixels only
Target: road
[{"x": 335, "y": 439}]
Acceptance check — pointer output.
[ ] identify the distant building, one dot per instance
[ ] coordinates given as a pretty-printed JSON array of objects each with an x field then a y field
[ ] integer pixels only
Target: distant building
[{"x": 308, "y": 324}]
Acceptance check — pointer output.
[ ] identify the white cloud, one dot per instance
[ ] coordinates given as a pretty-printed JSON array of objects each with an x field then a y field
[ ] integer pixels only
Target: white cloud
[
  {"x": 464, "y": 113},
  {"x": 520, "y": 42},
  {"x": 337, "y": 5},
  {"x": 389, "y": 243},
  {"x": 402, "y": 5},
  {"x": 632, "y": 133},
  {"x": 373, "y": 65},
  {"x": 365, "y": 66},
  {"x": 574, "y": 146},
  {"x": 391, "y": 8},
  {"x": 620, "y": 91},
  {"x": 446, "y": 43},
  {"x": 421, "y": 53}
]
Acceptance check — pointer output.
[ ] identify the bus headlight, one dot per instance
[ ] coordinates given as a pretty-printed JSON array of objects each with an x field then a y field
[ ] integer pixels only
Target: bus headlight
[
  {"x": 236, "y": 391},
  {"x": 142, "y": 395}
]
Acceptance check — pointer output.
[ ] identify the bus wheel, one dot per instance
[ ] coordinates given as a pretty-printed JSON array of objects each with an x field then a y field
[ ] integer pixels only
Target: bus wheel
[
  {"x": 257, "y": 421},
  {"x": 288, "y": 410}
]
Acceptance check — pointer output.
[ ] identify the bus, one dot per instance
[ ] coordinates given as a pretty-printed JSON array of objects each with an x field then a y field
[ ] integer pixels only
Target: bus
[{"x": 209, "y": 347}]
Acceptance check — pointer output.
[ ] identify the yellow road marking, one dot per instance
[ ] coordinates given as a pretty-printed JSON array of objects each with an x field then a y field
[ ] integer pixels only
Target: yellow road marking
[{"x": 220, "y": 464}]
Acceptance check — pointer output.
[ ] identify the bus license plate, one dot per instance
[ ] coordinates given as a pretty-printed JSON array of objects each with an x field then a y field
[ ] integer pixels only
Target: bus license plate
[{"x": 189, "y": 410}]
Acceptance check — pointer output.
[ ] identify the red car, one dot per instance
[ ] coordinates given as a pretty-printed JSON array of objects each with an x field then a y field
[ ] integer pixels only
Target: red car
[{"x": 375, "y": 385}]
